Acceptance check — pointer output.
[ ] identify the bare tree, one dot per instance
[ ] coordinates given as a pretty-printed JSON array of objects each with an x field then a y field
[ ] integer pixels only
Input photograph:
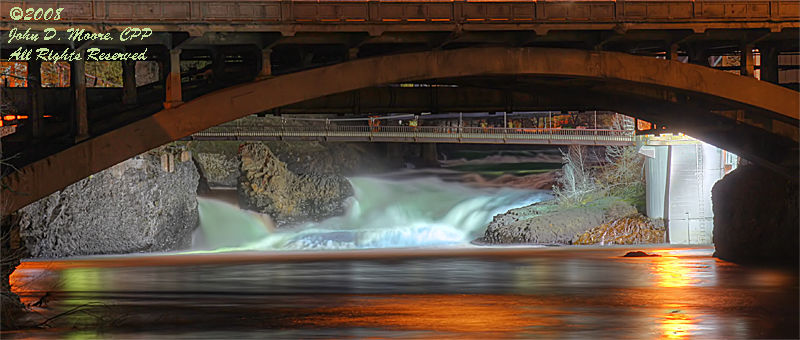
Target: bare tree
[
  {"x": 620, "y": 175},
  {"x": 577, "y": 183}
]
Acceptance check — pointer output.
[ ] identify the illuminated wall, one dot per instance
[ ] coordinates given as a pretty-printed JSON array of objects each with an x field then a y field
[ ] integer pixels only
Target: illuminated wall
[{"x": 680, "y": 172}]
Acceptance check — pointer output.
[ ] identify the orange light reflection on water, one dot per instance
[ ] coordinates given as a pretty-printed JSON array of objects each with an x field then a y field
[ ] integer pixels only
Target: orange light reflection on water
[
  {"x": 675, "y": 275},
  {"x": 497, "y": 317},
  {"x": 676, "y": 322}
]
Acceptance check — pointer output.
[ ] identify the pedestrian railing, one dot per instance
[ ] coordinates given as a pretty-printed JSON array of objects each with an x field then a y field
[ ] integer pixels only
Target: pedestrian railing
[{"x": 421, "y": 134}]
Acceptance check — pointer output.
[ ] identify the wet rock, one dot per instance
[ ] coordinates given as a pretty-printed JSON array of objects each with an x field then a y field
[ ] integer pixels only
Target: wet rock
[
  {"x": 549, "y": 223},
  {"x": 639, "y": 253},
  {"x": 267, "y": 186},
  {"x": 134, "y": 206},
  {"x": 756, "y": 217}
]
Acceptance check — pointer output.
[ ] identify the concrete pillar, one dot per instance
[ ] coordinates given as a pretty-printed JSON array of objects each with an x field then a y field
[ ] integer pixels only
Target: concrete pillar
[
  {"x": 428, "y": 155},
  {"x": 36, "y": 96},
  {"x": 655, "y": 169},
  {"x": 129, "y": 82},
  {"x": 698, "y": 55},
  {"x": 769, "y": 64},
  {"x": 672, "y": 52},
  {"x": 747, "y": 61},
  {"x": 78, "y": 84},
  {"x": 174, "y": 96},
  {"x": 217, "y": 66},
  {"x": 352, "y": 53},
  {"x": 266, "y": 64}
]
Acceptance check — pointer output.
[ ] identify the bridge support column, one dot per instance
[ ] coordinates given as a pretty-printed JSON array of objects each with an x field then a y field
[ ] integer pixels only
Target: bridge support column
[
  {"x": 697, "y": 55},
  {"x": 686, "y": 171},
  {"x": 78, "y": 83},
  {"x": 174, "y": 96},
  {"x": 747, "y": 61},
  {"x": 129, "y": 82},
  {"x": 428, "y": 155},
  {"x": 769, "y": 64},
  {"x": 36, "y": 98},
  {"x": 266, "y": 64},
  {"x": 352, "y": 53},
  {"x": 217, "y": 66},
  {"x": 672, "y": 52}
]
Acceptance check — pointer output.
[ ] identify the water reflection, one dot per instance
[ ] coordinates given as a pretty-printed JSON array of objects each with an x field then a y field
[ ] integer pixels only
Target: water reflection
[{"x": 587, "y": 292}]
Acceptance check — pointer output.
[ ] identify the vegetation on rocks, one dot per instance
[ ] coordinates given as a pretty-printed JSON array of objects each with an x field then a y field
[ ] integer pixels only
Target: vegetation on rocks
[
  {"x": 621, "y": 175},
  {"x": 590, "y": 200},
  {"x": 632, "y": 229}
]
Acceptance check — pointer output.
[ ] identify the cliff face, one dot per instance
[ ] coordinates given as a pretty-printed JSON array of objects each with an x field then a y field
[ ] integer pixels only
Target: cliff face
[
  {"x": 135, "y": 206},
  {"x": 267, "y": 186},
  {"x": 756, "y": 217},
  {"x": 219, "y": 162}
]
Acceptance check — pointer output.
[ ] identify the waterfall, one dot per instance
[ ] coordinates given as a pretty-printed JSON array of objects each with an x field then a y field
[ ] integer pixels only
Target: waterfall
[{"x": 383, "y": 213}]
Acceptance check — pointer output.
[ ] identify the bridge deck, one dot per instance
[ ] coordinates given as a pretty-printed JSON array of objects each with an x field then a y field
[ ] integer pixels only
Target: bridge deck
[
  {"x": 333, "y": 12},
  {"x": 422, "y": 134}
]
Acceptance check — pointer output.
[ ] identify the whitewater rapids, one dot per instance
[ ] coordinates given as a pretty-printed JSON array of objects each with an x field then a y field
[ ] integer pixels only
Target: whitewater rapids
[{"x": 383, "y": 213}]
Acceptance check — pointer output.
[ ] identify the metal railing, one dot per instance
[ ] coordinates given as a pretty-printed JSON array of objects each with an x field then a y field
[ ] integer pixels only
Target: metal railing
[{"x": 418, "y": 134}]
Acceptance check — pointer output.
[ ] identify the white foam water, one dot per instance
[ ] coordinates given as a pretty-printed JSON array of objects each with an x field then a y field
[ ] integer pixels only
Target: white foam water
[{"x": 381, "y": 214}]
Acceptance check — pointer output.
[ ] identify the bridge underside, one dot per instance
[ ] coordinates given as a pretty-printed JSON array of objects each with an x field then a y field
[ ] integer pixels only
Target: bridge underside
[{"x": 752, "y": 118}]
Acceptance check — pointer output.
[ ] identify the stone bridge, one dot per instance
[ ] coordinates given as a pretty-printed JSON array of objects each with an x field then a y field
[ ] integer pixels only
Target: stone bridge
[{"x": 656, "y": 60}]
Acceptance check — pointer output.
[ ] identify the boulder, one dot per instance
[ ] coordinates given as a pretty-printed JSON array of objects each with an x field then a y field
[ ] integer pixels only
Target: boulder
[
  {"x": 345, "y": 159},
  {"x": 144, "y": 204},
  {"x": 218, "y": 162},
  {"x": 267, "y": 186},
  {"x": 550, "y": 223},
  {"x": 756, "y": 217}
]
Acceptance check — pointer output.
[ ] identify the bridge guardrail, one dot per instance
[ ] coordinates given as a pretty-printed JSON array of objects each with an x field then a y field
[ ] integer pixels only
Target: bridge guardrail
[
  {"x": 364, "y": 11},
  {"x": 421, "y": 133}
]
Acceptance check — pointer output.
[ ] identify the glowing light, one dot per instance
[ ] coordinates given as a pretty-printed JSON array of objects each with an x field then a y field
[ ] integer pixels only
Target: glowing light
[
  {"x": 22, "y": 117},
  {"x": 9, "y": 117},
  {"x": 676, "y": 323},
  {"x": 671, "y": 272}
]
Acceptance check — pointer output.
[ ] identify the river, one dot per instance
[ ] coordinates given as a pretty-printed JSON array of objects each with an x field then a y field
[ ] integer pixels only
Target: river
[
  {"x": 459, "y": 292},
  {"x": 399, "y": 265}
]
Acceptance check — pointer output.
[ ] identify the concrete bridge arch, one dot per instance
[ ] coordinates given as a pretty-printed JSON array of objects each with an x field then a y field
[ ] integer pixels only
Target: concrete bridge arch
[{"x": 668, "y": 85}]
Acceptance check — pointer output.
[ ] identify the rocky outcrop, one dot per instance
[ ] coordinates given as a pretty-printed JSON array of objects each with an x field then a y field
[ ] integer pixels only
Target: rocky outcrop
[
  {"x": 345, "y": 159},
  {"x": 218, "y": 162},
  {"x": 220, "y": 165},
  {"x": 756, "y": 217},
  {"x": 549, "y": 223},
  {"x": 134, "y": 206},
  {"x": 267, "y": 186}
]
